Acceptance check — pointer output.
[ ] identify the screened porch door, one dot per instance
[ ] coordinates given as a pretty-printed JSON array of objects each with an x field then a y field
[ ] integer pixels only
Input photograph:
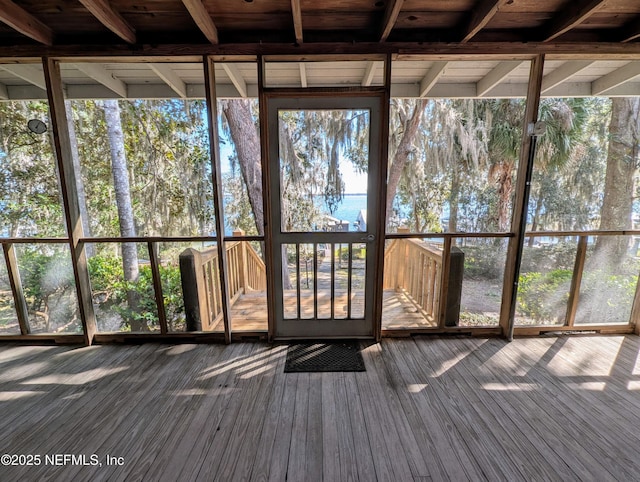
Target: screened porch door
[{"x": 324, "y": 180}]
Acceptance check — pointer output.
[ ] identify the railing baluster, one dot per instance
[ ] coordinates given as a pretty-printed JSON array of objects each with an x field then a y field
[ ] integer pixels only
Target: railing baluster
[
  {"x": 315, "y": 281},
  {"x": 349, "y": 277},
  {"x": 333, "y": 280},
  {"x": 298, "y": 304}
]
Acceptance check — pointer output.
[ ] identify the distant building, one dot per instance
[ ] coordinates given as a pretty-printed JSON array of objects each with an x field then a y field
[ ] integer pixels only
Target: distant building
[{"x": 334, "y": 224}]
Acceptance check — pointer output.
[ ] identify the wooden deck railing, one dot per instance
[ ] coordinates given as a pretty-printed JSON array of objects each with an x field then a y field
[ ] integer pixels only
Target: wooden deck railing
[
  {"x": 200, "y": 273},
  {"x": 416, "y": 269}
]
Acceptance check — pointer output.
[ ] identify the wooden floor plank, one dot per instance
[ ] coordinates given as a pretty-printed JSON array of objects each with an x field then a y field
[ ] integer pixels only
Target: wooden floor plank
[
  {"x": 262, "y": 460},
  {"x": 208, "y": 397},
  {"x": 331, "y": 452},
  {"x": 297, "y": 448},
  {"x": 498, "y": 418},
  {"x": 383, "y": 399},
  {"x": 539, "y": 405},
  {"x": 242, "y": 390},
  {"x": 280, "y": 456},
  {"x": 313, "y": 448},
  {"x": 546, "y": 408},
  {"x": 384, "y": 367},
  {"x": 450, "y": 448},
  {"x": 239, "y": 456},
  {"x": 363, "y": 451},
  {"x": 599, "y": 433},
  {"x": 346, "y": 448},
  {"x": 375, "y": 432}
]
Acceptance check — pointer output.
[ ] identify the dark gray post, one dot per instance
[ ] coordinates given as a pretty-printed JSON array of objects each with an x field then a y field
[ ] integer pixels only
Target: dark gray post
[
  {"x": 188, "y": 277},
  {"x": 454, "y": 291}
]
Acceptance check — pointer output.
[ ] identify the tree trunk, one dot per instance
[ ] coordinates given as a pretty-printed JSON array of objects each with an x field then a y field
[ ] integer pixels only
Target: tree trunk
[
  {"x": 77, "y": 169},
  {"x": 622, "y": 159},
  {"x": 402, "y": 153},
  {"x": 247, "y": 145},
  {"x": 502, "y": 173},
  {"x": 536, "y": 217},
  {"x": 123, "y": 202}
]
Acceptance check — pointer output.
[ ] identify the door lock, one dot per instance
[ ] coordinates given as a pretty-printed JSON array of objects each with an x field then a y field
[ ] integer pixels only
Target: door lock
[{"x": 368, "y": 238}]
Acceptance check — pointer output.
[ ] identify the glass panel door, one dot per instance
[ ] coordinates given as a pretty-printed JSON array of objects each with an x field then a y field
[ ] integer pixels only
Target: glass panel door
[{"x": 324, "y": 175}]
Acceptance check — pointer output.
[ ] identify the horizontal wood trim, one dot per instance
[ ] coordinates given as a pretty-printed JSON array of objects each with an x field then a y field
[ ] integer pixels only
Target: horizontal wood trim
[
  {"x": 45, "y": 339},
  {"x": 103, "y": 338},
  {"x": 595, "y": 232},
  {"x": 34, "y": 240},
  {"x": 462, "y": 330},
  {"x": 602, "y": 329},
  {"x": 335, "y": 51},
  {"x": 446, "y": 235},
  {"x": 155, "y": 239},
  {"x": 353, "y": 91}
]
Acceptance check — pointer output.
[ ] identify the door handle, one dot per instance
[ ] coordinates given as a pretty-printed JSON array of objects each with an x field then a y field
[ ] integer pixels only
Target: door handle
[{"x": 368, "y": 238}]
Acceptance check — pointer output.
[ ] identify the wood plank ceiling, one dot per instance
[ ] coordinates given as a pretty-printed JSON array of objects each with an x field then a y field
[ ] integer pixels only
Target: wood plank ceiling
[
  {"x": 593, "y": 46},
  {"x": 192, "y": 22}
]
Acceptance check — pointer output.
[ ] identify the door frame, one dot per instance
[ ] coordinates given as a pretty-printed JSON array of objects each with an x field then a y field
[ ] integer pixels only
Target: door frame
[{"x": 376, "y": 101}]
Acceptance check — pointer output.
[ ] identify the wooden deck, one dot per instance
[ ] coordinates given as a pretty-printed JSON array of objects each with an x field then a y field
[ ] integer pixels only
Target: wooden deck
[
  {"x": 249, "y": 312},
  {"x": 426, "y": 409}
]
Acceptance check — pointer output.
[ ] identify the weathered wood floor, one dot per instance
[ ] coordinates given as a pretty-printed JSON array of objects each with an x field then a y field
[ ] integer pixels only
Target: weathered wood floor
[{"x": 426, "y": 409}]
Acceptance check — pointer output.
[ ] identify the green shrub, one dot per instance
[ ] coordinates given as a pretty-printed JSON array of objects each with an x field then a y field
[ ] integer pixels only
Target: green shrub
[
  {"x": 543, "y": 296},
  {"x": 110, "y": 293}
]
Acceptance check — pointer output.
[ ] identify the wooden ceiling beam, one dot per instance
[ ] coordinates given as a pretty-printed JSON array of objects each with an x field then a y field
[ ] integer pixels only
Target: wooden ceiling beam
[
  {"x": 564, "y": 73},
  {"x": 27, "y": 73},
  {"x": 303, "y": 75},
  {"x": 483, "y": 12},
  {"x": 169, "y": 77},
  {"x": 104, "y": 77},
  {"x": 369, "y": 73},
  {"x": 496, "y": 76},
  {"x": 25, "y": 23},
  {"x": 390, "y": 18},
  {"x": 236, "y": 78},
  {"x": 203, "y": 20},
  {"x": 615, "y": 78},
  {"x": 631, "y": 31},
  {"x": 565, "y": 20},
  {"x": 436, "y": 71},
  {"x": 107, "y": 16},
  {"x": 296, "y": 11}
]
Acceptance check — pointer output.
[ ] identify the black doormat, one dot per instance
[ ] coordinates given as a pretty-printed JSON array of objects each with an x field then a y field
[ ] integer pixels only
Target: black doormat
[{"x": 324, "y": 357}]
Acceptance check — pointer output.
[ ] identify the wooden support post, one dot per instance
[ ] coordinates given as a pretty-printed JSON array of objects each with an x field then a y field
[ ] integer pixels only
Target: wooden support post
[
  {"x": 266, "y": 196},
  {"x": 19, "y": 301},
  {"x": 520, "y": 204},
  {"x": 378, "y": 293},
  {"x": 216, "y": 177},
  {"x": 454, "y": 291},
  {"x": 157, "y": 286},
  {"x": 576, "y": 279},
  {"x": 444, "y": 282},
  {"x": 194, "y": 289},
  {"x": 64, "y": 159}
]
